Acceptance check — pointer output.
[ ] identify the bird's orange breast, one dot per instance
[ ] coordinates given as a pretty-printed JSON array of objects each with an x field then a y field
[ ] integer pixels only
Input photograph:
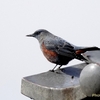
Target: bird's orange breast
[{"x": 49, "y": 54}]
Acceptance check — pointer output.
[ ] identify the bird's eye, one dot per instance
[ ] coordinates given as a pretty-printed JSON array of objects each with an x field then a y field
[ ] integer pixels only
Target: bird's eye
[{"x": 38, "y": 33}]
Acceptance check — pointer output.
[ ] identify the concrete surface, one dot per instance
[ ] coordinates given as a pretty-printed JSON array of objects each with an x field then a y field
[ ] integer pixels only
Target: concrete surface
[
  {"x": 54, "y": 86},
  {"x": 57, "y": 86}
]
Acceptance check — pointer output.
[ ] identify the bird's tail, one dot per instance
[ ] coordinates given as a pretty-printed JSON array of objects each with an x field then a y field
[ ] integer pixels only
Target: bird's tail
[
  {"x": 81, "y": 56},
  {"x": 91, "y": 48},
  {"x": 83, "y": 50}
]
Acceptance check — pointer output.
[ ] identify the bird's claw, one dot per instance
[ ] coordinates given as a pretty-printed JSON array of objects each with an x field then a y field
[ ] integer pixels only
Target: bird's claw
[{"x": 51, "y": 70}]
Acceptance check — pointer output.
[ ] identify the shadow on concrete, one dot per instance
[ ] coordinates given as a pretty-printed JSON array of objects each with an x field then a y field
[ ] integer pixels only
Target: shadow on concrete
[
  {"x": 91, "y": 98},
  {"x": 72, "y": 71}
]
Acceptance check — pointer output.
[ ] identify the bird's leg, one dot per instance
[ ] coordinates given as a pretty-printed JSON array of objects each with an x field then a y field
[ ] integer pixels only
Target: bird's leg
[
  {"x": 53, "y": 68},
  {"x": 59, "y": 67},
  {"x": 58, "y": 70}
]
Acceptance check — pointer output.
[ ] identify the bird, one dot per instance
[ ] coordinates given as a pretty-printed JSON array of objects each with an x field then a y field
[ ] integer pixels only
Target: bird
[{"x": 59, "y": 51}]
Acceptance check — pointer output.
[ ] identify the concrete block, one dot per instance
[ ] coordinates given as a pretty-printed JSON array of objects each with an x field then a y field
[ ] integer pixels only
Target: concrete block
[
  {"x": 57, "y": 86},
  {"x": 54, "y": 86}
]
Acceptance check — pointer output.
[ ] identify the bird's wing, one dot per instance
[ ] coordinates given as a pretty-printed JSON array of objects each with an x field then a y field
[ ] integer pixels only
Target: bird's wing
[{"x": 60, "y": 46}]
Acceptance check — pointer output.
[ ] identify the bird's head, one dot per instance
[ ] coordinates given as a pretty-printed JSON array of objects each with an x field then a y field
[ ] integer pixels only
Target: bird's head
[{"x": 39, "y": 34}]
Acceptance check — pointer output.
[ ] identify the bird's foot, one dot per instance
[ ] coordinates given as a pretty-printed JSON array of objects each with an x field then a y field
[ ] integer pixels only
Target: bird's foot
[
  {"x": 52, "y": 70},
  {"x": 58, "y": 71}
]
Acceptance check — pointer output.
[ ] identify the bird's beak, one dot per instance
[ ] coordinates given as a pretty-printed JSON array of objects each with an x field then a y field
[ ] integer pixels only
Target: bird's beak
[{"x": 30, "y": 35}]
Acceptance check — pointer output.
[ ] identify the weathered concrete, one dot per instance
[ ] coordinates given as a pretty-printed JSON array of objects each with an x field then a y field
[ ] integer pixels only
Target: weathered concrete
[
  {"x": 54, "y": 86},
  {"x": 57, "y": 86}
]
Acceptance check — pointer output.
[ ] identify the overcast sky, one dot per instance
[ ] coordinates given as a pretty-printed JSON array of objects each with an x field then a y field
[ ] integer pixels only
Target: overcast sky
[{"x": 77, "y": 21}]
